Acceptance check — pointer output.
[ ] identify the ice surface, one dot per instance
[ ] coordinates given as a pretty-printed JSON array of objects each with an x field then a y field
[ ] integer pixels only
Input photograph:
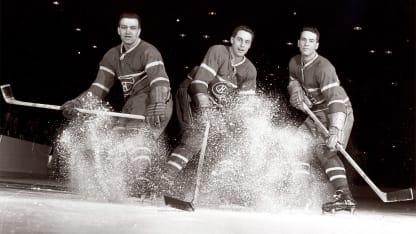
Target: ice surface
[{"x": 40, "y": 212}]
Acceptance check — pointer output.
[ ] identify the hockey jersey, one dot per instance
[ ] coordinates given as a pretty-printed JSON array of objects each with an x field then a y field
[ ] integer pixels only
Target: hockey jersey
[
  {"x": 138, "y": 69},
  {"x": 218, "y": 77},
  {"x": 320, "y": 82}
]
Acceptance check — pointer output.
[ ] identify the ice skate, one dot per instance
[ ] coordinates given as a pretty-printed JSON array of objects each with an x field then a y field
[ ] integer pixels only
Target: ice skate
[
  {"x": 343, "y": 201},
  {"x": 170, "y": 196},
  {"x": 140, "y": 189}
]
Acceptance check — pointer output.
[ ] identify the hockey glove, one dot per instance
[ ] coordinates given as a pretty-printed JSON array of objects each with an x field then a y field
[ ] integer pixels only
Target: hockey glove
[
  {"x": 336, "y": 124},
  {"x": 298, "y": 97},
  {"x": 201, "y": 104},
  {"x": 156, "y": 114},
  {"x": 335, "y": 136},
  {"x": 156, "y": 110},
  {"x": 68, "y": 108}
]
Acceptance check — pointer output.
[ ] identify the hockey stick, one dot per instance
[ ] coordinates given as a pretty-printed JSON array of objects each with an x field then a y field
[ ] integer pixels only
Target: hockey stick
[
  {"x": 7, "y": 93},
  {"x": 185, "y": 205},
  {"x": 394, "y": 196}
]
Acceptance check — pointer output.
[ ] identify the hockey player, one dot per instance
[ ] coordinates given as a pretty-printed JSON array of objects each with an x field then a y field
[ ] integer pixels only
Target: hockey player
[
  {"x": 313, "y": 81},
  {"x": 224, "y": 73},
  {"x": 139, "y": 66}
]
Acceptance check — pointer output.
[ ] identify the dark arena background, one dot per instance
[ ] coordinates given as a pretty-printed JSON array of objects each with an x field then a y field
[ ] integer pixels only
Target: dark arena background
[{"x": 50, "y": 52}]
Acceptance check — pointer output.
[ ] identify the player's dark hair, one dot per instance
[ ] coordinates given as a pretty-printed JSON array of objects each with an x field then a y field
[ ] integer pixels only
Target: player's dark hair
[
  {"x": 130, "y": 15},
  {"x": 313, "y": 30},
  {"x": 243, "y": 28}
]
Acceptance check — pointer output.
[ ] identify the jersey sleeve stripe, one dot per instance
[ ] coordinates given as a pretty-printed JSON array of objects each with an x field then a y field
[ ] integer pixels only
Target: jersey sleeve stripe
[
  {"x": 338, "y": 101},
  {"x": 107, "y": 70},
  {"x": 152, "y": 64},
  {"x": 195, "y": 82},
  {"x": 326, "y": 87},
  {"x": 101, "y": 86},
  {"x": 208, "y": 68}
]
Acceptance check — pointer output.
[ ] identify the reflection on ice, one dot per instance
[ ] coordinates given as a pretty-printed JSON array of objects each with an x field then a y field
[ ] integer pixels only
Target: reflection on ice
[{"x": 38, "y": 212}]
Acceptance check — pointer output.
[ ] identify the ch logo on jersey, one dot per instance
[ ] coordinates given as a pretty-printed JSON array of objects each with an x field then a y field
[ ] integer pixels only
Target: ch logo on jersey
[
  {"x": 127, "y": 82},
  {"x": 220, "y": 90}
]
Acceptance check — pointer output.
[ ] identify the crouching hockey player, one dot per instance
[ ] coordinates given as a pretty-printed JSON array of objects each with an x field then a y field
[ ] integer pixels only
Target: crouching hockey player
[
  {"x": 139, "y": 67},
  {"x": 223, "y": 73},
  {"x": 313, "y": 81}
]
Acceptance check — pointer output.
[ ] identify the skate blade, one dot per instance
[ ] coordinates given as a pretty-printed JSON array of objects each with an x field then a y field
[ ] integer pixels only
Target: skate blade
[
  {"x": 351, "y": 210},
  {"x": 179, "y": 204}
]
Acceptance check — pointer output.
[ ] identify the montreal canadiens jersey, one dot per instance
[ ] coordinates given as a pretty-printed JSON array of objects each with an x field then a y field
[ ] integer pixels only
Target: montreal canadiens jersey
[
  {"x": 217, "y": 75},
  {"x": 137, "y": 69},
  {"x": 320, "y": 82}
]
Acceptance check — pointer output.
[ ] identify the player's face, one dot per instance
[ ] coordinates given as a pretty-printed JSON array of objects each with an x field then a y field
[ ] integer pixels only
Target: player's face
[
  {"x": 307, "y": 43},
  {"x": 241, "y": 43},
  {"x": 129, "y": 30}
]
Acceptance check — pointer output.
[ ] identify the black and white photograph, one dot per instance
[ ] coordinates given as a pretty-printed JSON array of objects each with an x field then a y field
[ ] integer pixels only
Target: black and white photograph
[{"x": 228, "y": 117}]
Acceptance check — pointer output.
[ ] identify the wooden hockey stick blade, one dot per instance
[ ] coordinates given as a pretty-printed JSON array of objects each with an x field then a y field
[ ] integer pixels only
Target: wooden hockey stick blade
[
  {"x": 7, "y": 93},
  {"x": 179, "y": 204},
  {"x": 395, "y": 196},
  {"x": 400, "y": 195}
]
